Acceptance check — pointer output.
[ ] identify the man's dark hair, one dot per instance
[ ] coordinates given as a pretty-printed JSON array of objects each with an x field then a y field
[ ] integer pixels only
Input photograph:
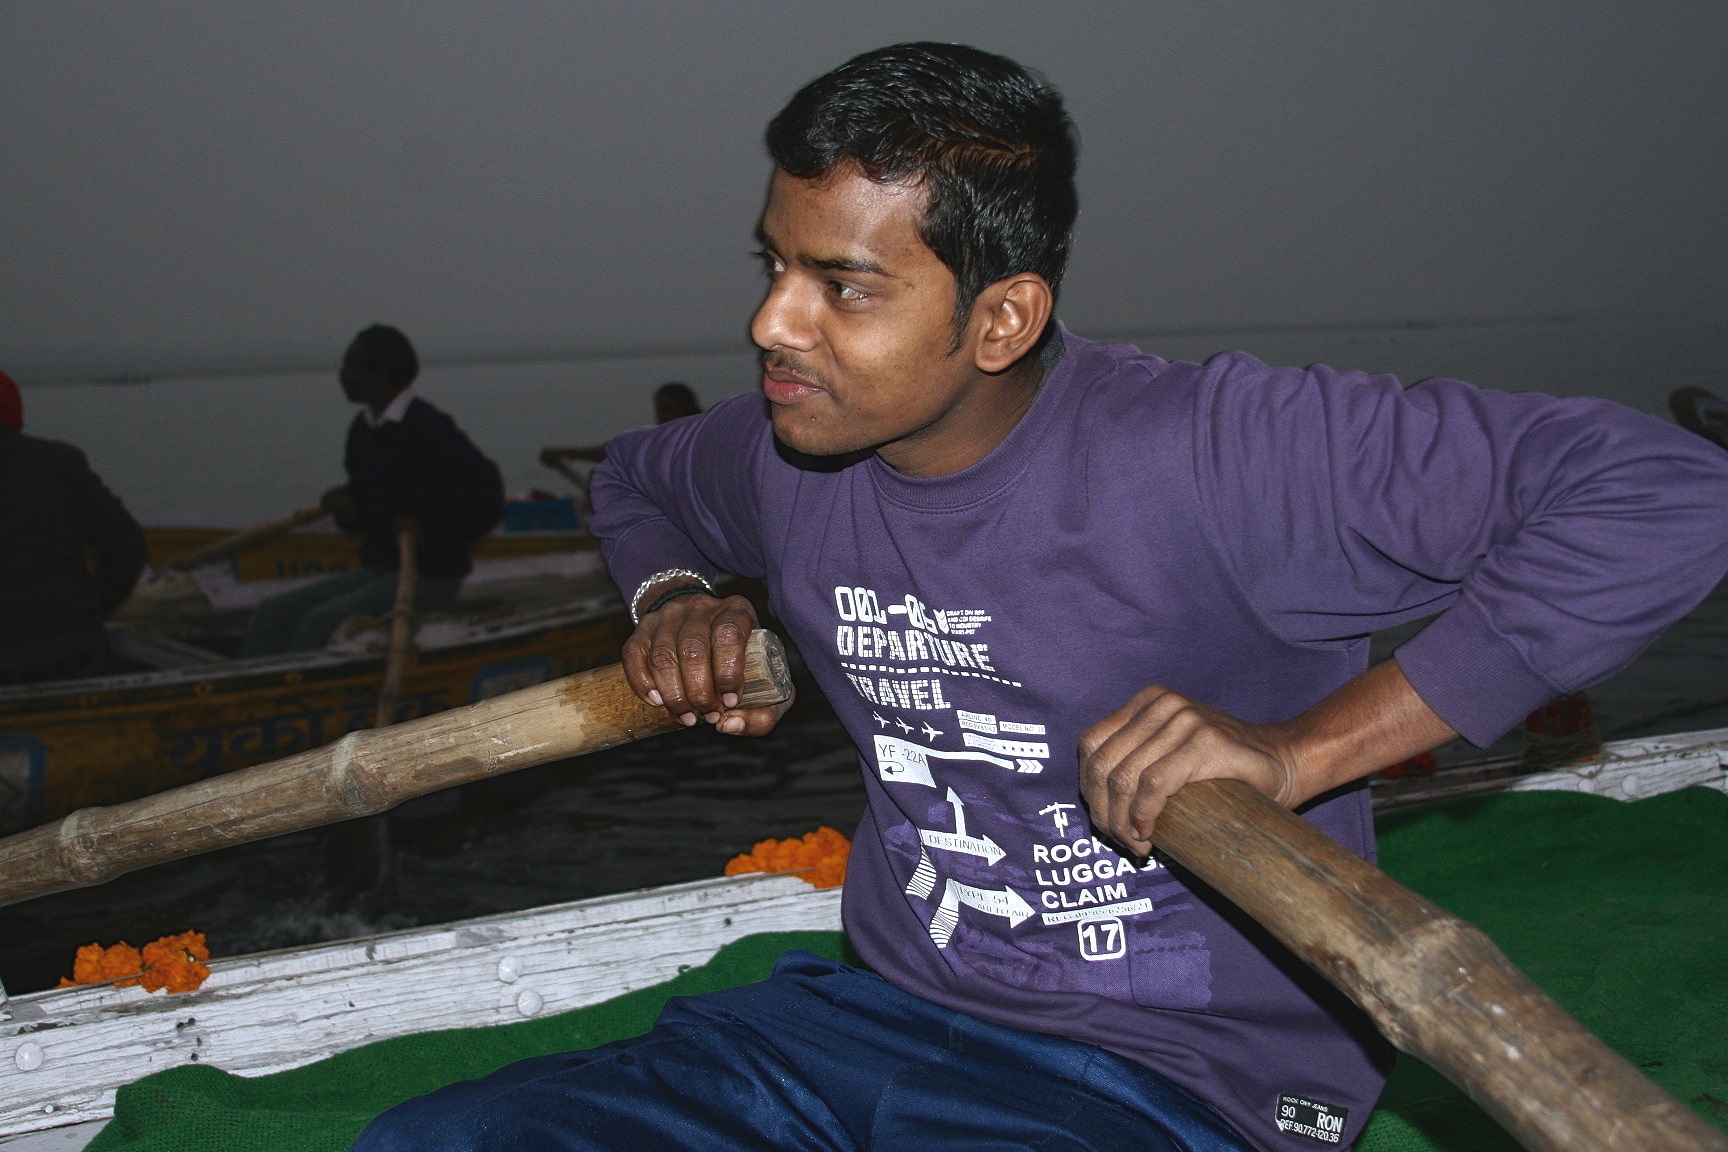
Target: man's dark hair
[
  {"x": 988, "y": 140},
  {"x": 389, "y": 352}
]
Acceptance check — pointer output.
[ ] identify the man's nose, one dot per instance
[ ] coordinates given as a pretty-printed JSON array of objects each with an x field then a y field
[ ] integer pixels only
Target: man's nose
[{"x": 783, "y": 320}]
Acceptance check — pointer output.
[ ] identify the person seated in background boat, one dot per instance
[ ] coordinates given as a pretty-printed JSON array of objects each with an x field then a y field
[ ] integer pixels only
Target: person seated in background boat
[
  {"x": 405, "y": 460},
  {"x": 672, "y": 400},
  {"x": 1044, "y": 583},
  {"x": 1701, "y": 412},
  {"x": 70, "y": 553}
]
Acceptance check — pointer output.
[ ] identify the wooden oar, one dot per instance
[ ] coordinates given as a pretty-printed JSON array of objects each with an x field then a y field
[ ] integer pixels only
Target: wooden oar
[
  {"x": 1435, "y": 985},
  {"x": 357, "y": 853},
  {"x": 567, "y": 472},
  {"x": 359, "y": 775},
  {"x": 401, "y": 624},
  {"x": 241, "y": 541},
  {"x": 577, "y": 479}
]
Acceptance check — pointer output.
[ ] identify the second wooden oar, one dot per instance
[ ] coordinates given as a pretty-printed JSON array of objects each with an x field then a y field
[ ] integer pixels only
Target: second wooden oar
[
  {"x": 401, "y": 625},
  {"x": 552, "y": 460},
  {"x": 357, "y": 852},
  {"x": 1433, "y": 984},
  {"x": 241, "y": 541},
  {"x": 362, "y": 774}
]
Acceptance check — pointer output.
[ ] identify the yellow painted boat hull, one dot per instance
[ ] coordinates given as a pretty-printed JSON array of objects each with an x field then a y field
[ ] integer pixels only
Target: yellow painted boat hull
[{"x": 77, "y": 743}]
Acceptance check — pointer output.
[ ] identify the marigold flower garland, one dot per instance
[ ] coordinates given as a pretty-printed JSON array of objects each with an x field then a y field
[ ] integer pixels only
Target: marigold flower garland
[
  {"x": 175, "y": 963},
  {"x": 180, "y": 963},
  {"x": 819, "y": 857}
]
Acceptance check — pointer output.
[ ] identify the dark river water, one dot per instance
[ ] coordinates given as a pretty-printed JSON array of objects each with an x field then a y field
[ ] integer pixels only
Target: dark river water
[{"x": 667, "y": 809}]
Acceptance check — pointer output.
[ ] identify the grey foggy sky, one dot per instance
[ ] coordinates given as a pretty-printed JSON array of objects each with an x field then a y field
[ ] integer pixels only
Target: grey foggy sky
[{"x": 244, "y": 184}]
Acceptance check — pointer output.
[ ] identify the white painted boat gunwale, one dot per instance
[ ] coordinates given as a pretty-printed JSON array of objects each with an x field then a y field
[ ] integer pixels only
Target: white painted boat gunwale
[{"x": 271, "y": 1011}]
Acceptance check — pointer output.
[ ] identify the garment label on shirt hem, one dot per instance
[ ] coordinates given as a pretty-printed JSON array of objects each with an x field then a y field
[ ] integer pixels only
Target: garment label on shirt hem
[{"x": 1312, "y": 1118}]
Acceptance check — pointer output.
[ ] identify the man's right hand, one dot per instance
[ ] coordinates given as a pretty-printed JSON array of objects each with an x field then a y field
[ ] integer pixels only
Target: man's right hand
[{"x": 688, "y": 658}]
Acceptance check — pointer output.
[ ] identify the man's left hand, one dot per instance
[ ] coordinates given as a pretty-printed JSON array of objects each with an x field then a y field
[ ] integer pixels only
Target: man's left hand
[{"x": 1132, "y": 760}]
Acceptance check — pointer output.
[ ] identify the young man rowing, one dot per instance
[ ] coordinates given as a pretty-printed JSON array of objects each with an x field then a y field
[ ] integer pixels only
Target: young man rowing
[{"x": 1045, "y": 583}]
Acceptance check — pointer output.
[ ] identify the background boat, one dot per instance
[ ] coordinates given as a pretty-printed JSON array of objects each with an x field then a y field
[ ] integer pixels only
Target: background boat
[
  {"x": 319, "y": 551},
  {"x": 539, "y": 605}
]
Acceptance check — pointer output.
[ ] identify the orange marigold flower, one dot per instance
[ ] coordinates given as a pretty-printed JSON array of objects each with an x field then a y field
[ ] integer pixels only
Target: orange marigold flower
[
  {"x": 176, "y": 963},
  {"x": 95, "y": 964},
  {"x": 818, "y": 857}
]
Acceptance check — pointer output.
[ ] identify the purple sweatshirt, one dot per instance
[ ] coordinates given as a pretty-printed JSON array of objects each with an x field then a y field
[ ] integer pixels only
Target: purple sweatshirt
[{"x": 1228, "y": 530}]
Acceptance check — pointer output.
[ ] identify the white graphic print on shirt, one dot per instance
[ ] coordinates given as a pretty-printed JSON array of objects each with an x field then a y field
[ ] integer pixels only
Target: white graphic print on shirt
[{"x": 904, "y": 657}]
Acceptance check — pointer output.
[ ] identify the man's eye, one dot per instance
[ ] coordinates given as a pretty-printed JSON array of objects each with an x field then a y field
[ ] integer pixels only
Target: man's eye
[
  {"x": 847, "y": 292},
  {"x": 771, "y": 265}
]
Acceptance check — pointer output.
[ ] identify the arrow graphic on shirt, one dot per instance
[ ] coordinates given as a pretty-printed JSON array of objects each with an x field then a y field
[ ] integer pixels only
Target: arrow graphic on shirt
[
  {"x": 957, "y": 840},
  {"x": 995, "y": 901},
  {"x": 909, "y": 763},
  {"x": 923, "y": 880}
]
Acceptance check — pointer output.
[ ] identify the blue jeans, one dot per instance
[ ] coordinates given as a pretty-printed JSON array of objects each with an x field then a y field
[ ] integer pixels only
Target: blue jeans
[
  {"x": 304, "y": 619},
  {"x": 818, "y": 1056}
]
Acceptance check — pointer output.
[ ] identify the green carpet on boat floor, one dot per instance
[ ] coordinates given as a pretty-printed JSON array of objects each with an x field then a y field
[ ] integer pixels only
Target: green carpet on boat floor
[{"x": 1616, "y": 910}]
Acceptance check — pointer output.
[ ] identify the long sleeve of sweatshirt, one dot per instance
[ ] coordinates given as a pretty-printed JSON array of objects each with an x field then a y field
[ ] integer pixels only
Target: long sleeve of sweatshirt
[{"x": 1554, "y": 537}]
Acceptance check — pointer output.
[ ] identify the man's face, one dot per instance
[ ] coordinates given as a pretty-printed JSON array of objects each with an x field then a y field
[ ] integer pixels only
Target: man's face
[{"x": 857, "y": 329}]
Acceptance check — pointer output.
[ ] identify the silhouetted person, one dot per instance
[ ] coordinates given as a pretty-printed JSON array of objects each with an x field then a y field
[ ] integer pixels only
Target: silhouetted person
[
  {"x": 1698, "y": 411},
  {"x": 674, "y": 400},
  {"x": 69, "y": 554},
  {"x": 404, "y": 458},
  {"x": 671, "y": 401}
]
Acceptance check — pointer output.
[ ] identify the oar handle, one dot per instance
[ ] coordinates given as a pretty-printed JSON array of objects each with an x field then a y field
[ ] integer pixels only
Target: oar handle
[
  {"x": 1435, "y": 985},
  {"x": 401, "y": 622},
  {"x": 362, "y": 774},
  {"x": 241, "y": 541}
]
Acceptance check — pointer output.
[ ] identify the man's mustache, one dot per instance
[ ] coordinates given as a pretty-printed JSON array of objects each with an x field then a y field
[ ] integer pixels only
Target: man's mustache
[{"x": 783, "y": 364}]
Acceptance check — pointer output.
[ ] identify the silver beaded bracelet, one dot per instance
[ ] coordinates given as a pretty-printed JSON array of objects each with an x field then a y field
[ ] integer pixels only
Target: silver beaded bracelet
[{"x": 657, "y": 578}]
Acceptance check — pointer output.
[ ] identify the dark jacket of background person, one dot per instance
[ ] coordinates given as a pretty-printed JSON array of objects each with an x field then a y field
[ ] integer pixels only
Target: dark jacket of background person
[
  {"x": 425, "y": 467},
  {"x": 69, "y": 550}
]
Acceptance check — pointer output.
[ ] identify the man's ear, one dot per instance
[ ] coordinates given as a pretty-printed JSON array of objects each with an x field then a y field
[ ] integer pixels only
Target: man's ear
[{"x": 1008, "y": 317}]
